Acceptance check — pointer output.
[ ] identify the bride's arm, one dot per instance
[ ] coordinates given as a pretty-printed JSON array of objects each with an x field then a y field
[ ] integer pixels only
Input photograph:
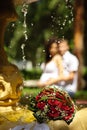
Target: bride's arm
[{"x": 58, "y": 61}]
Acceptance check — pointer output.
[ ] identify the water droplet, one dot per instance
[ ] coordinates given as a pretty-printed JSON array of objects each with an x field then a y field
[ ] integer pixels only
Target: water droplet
[
  {"x": 64, "y": 24},
  {"x": 61, "y": 28},
  {"x": 22, "y": 46},
  {"x": 52, "y": 26},
  {"x": 43, "y": 50},
  {"x": 69, "y": 21},
  {"x": 13, "y": 25},
  {"x": 32, "y": 24},
  {"x": 66, "y": 1},
  {"x": 52, "y": 17},
  {"x": 10, "y": 47},
  {"x": 66, "y": 16}
]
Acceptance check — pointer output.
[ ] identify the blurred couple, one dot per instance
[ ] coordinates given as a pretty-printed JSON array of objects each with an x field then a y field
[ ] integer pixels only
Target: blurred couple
[{"x": 60, "y": 66}]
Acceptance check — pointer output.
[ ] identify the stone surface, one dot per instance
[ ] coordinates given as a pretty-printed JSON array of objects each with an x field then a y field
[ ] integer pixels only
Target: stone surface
[{"x": 80, "y": 120}]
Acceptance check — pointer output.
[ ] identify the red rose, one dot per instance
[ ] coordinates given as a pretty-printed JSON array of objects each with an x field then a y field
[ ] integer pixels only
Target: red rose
[
  {"x": 54, "y": 102},
  {"x": 66, "y": 108},
  {"x": 53, "y": 113},
  {"x": 40, "y": 95},
  {"x": 37, "y": 98},
  {"x": 72, "y": 109},
  {"x": 41, "y": 105},
  {"x": 68, "y": 117}
]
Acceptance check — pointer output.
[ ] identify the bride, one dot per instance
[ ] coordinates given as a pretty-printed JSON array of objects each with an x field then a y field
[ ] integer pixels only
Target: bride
[{"x": 52, "y": 67}]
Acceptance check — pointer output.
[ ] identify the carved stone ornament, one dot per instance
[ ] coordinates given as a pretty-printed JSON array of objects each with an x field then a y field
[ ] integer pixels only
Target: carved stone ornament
[{"x": 10, "y": 85}]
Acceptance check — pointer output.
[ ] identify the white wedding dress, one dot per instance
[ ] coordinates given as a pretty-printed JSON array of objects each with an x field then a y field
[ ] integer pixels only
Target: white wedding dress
[{"x": 50, "y": 70}]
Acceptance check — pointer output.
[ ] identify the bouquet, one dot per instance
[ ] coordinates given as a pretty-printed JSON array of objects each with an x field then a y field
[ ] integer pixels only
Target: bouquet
[{"x": 52, "y": 103}]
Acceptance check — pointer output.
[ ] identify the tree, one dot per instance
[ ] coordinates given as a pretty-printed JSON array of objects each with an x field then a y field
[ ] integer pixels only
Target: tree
[
  {"x": 79, "y": 35},
  {"x": 85, "y": 41}
]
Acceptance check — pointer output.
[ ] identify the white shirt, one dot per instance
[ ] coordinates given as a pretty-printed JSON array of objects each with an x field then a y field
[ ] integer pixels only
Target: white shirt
[{"x": 70, "y": 64}]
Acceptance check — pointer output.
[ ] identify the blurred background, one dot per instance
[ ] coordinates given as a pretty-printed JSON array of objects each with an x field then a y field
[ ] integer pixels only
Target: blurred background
[{"x": 37, "y": 22}]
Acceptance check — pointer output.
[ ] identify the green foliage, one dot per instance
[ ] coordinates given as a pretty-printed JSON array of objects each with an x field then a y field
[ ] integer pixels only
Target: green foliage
[
  {"x": 26, "y": 93},
  {"x": 82, "y": 95},
  {"x": 44, "y": 19},
  {"x": 31, "y": 74},
  {"x": 53, "y": 3}
]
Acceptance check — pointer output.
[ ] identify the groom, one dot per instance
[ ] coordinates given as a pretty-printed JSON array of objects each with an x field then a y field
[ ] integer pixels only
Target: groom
[{"x": 69, "y": 80}]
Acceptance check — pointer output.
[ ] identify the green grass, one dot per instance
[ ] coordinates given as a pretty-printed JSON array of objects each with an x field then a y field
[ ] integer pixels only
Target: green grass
[
  {"x": 30, "y": 90},
  {"x": 79, "y": 95}
]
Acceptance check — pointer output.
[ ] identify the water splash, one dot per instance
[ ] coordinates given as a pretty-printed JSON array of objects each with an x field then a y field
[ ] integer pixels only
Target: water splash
[
  {"x": 25, "y": 11},
  {"x": 60, "y": 22}
]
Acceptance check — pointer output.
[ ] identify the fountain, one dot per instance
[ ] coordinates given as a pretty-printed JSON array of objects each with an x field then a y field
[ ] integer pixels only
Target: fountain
[{"x": 11, "y": 81}]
